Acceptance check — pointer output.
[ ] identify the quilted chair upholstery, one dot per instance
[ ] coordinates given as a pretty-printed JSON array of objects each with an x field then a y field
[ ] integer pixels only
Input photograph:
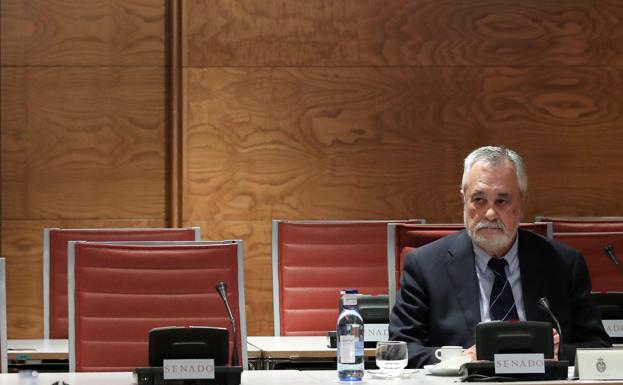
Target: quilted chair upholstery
[
  {"x": 404, "y": 238},
  {"x": 314, "y": 260},
  {"x": 584, "y": 224},
  {"x": 603, "y": 272},
  {"x": 55, "y": 243},
  {"x": 120, "y": 291},
  {"x": 3, "y": 322}
]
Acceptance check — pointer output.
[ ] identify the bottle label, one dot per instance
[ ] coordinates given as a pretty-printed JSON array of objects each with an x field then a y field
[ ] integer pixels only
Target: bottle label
[
  {"x": 347, "y": 349},
  {"x": 359, "y": 348},
  {"x": 349, "y": 299}
]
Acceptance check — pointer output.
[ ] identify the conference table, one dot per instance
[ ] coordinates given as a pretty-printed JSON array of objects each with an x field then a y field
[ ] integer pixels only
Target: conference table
[
  {"x": 265, "y": 352},
  {"x": 296, "y": 351},
  {"x": 37, "y": 349},
  {"x": 262, "y": 377},
  {"x": 53, "y": 354}
]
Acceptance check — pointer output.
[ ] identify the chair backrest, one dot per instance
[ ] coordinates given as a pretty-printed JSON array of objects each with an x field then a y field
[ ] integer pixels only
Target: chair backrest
[
  {"x": 55, "y": 242},
  {"x": 314, "y": 260},
  {"x": 403, "y": 238},
  {"x": 584, "y": 224},
  {"x": 119, "y": 291},
  {"x": 4, "y": 362},
  {"x": 603, "y": 272}
]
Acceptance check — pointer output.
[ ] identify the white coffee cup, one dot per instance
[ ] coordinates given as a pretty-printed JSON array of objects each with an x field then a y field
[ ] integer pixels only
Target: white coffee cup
[{"x": 449, "y": 352}]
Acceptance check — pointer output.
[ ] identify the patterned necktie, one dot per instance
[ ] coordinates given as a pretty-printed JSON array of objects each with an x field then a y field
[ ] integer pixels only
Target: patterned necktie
[{"x": 501, "y": 304}]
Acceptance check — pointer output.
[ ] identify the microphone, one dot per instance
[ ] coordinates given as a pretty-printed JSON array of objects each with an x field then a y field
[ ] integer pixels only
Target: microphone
[
  {"x": 544, "y": 304},
  {"x": 221, "y": 288},
  {"x": 609, "y": 251}
]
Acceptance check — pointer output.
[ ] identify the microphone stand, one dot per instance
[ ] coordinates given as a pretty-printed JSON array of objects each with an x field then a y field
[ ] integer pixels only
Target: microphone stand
[
  {"x": 221, "y": 288},
  {"x": 609, "y": 251},
  {"x": 544, "y": 304}
]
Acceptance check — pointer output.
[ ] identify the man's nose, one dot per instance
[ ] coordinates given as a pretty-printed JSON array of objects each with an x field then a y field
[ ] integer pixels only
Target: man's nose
[{"x": 491, "y": 214}]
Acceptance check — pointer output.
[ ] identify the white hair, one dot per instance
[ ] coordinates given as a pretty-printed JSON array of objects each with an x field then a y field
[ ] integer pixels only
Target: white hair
[{"x": 495, "y": 155}]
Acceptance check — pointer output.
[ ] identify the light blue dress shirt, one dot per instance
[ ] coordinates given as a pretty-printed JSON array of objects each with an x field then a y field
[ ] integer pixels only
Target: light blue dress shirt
[{"x": 486, "y": 278}]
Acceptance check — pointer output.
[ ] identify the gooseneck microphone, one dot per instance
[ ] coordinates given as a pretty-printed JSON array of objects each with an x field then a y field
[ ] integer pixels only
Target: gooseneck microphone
[
  {"x": 221, "y": 288},
  {"x": 609, "y": 251},
  {"x": 544, "y": 304}
]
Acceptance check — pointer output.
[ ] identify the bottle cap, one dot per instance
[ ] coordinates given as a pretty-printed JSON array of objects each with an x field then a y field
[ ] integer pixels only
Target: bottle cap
[{"x": 350, "y": 297}]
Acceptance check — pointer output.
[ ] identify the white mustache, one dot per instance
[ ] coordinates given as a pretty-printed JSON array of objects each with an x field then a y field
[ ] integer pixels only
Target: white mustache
[{"x": 490, "y": 225}]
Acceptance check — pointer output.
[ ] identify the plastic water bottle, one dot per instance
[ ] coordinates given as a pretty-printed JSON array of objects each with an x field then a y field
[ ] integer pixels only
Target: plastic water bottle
[{"x": 350, "y": 335}]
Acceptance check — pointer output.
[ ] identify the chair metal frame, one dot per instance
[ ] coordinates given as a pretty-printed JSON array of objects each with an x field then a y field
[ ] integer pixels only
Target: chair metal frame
[
  {"x": 241, "y": 326},
  {"x": 589, "y": 219},
  {"x": 579, "y": 221},
  {"x": 4, "y": 348}
]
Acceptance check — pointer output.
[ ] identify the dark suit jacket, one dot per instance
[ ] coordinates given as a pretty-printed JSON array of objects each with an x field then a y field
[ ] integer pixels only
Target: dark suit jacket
[{"x": 438, "y": 301}]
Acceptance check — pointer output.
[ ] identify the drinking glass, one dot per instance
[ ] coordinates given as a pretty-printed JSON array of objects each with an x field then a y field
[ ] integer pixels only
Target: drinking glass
[{"x": 391, "y": 357}]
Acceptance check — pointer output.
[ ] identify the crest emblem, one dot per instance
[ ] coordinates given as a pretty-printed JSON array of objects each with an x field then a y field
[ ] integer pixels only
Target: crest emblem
[{"x": 600, "y": 365}]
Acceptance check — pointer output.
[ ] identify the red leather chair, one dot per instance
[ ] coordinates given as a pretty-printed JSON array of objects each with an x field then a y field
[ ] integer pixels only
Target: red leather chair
[
  {"x": 314, "y": 260},
  {"x": 120, "y": 291},
  {"x": 604, "y": 274},
  {"x": 403, "y": 238},
  {"x": 584, "y": 224},
  {"x": 55, "y": 243},
  {"x": 4, "y": 362}
]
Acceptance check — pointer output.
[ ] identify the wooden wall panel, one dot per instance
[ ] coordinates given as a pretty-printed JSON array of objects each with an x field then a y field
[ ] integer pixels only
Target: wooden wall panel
[
  {"x": 311, "y": 143},
  {"x": 386, "y": 143},
  {"x": 257, "y": 268},
  {"x": 296, "y": 109},
  {"x": 83, "y": 129},
  {"x": 22, "y": 246},
  {"x": 356, "y": 109},
  {"x": 233, "y": 33},
  {"x": 86, "y": 32},
  {"x": 84, "y": 142}
]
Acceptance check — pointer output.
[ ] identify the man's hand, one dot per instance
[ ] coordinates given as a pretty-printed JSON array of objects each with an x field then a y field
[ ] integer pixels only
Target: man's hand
[
  {"x": 471, "y": 352},
  {"x": 556, "y": 343}
]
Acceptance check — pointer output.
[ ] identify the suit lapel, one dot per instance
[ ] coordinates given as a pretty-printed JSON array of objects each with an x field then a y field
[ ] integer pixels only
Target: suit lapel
[
  {"x": 531, "y": 278},
  {"x": 462, "y": 271}
]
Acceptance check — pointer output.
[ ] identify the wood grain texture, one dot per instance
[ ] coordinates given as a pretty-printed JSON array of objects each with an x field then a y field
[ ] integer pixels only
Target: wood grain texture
[
  {"x": 403, "y": 32},
  {"x": 308, "y": 109},
  {"x": 22, "y": 246},
  {"x": 82, "y": 142},
  {"x": 82, "y": 129},
  {"x": 174, "y": 112},
  {"x": 88, "y": 32},
  {"x": 387, "y": 143},
  {"x": 257, "y": 267},
  {"x": 363, "y": 143},
  {"x": 294, "y": 143}
]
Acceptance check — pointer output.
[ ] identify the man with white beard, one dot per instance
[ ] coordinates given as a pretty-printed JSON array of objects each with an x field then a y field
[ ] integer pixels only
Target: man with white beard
[{"x": 492, "y": 271}]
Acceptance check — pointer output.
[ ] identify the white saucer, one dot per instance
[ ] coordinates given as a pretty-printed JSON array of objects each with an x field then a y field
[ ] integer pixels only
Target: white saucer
[
  {"x": 442, "y": 371},
  {"x": 376, "y": 373}
]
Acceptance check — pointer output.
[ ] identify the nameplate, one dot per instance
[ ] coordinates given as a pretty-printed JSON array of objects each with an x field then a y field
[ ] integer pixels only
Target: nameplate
[
  {"x": 519, "y": 363},
  {"x": 376, "y": 332},
  {"x": 194, "y": 369},
  {"x": 599, "y": 364},
  {"x": 614, "y": 327}
]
